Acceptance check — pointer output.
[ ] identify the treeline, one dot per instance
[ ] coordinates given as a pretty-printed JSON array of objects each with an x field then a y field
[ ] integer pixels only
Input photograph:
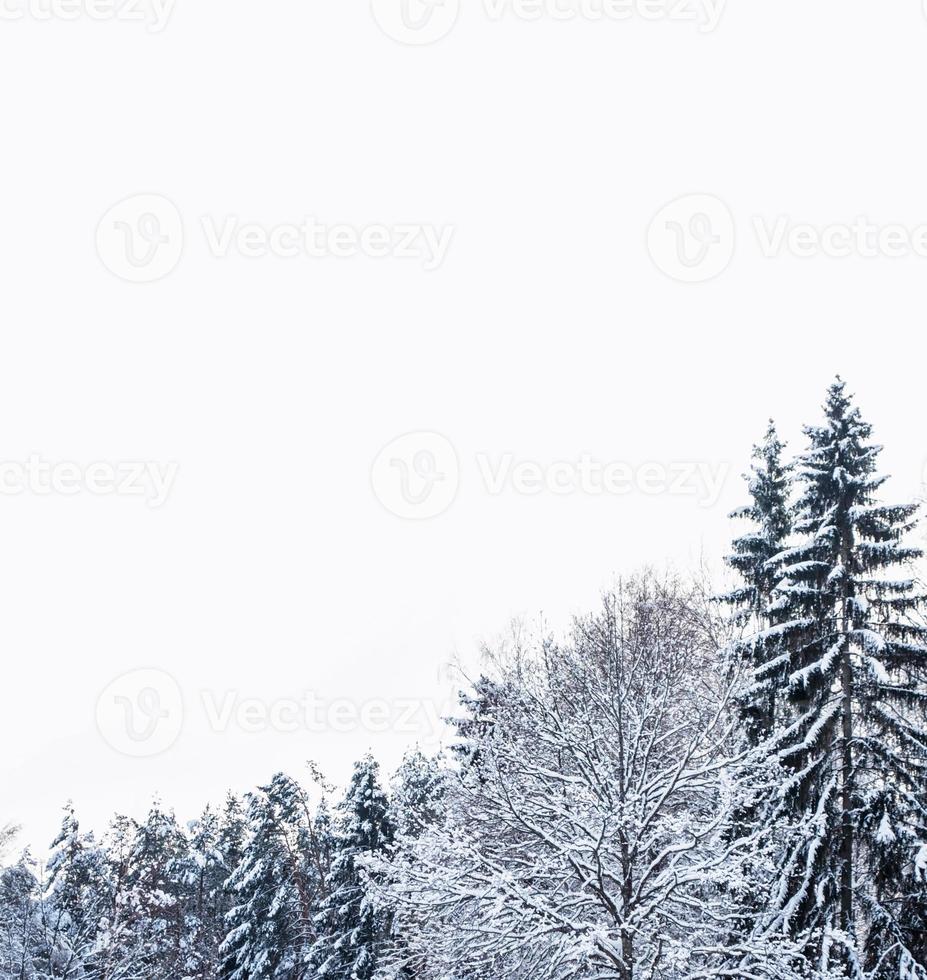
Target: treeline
[
  {"x": 681, "y": 788},
  {"x": 271, "y": 886}
]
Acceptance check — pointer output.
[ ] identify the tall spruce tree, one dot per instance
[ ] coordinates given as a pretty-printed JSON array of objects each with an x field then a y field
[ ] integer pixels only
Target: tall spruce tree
[
  {"x": 353, "y": 931},
  {"x": 757, "y": 657},
  {"x": 854, "y": 745},
  {"x": 755, "y": 602},
  {"x": 275, "y": 888}
]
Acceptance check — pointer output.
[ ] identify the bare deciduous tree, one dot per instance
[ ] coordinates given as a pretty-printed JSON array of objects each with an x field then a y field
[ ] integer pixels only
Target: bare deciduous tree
[{"x": 591, "y": 831}]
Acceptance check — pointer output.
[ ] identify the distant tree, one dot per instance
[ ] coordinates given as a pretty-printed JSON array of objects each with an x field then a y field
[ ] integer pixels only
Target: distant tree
[
  {"x": 353, "y": 931},
  {"x": 7, "y": 836},
  {"x": 418, "y": 794},
  {"x": 275, "y": 888},
  {"x": 20, "y": 947},
  {"x": 76, "y": 902},
  {"x": 154, "y": 895},
  {"x": 201, "y": 872}
]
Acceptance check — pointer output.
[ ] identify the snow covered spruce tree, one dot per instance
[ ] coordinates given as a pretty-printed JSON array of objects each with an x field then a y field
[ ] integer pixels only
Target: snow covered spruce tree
[
  {"x": 755, "y": 602},
  {"x": 353, "y": 931},
  {"x": 276, "y": 888},
  {"x": 853, "y": 886}
]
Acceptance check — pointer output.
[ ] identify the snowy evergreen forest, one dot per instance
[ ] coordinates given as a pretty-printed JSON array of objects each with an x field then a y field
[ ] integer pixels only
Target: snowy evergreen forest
[{"x": 686, "y": 785}]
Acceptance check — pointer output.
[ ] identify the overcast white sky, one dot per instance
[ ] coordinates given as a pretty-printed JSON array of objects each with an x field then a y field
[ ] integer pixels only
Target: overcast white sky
[{"x": 552, "y": 330}]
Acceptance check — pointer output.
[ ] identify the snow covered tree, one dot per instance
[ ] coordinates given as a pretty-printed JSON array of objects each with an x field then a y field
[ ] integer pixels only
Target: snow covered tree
[
  {"x": 855, "y": 743},
  {"x": 474, "y": 726},
  {"x": 276, "y": 888},
  {"x": 233, "y": 827},
  {"x": 756, "y": 661},
  {"x": 7, "y": 836},
  {"x": 354, "y": 932},
  {"x": 593, "y": 839},
  {"x": 20, "y": 947},
  {"x": 418, "y": 804},
  {"x": 755, "y": 601},
  {"x": 417, "y": 798},
  {"x": 217, "y": 845},
  {"x": 201, "y": 873},
  {"x": 77, "y": 901},
  {"x": 153, "y": 897},
  {"x": 120, "y": 951}
]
